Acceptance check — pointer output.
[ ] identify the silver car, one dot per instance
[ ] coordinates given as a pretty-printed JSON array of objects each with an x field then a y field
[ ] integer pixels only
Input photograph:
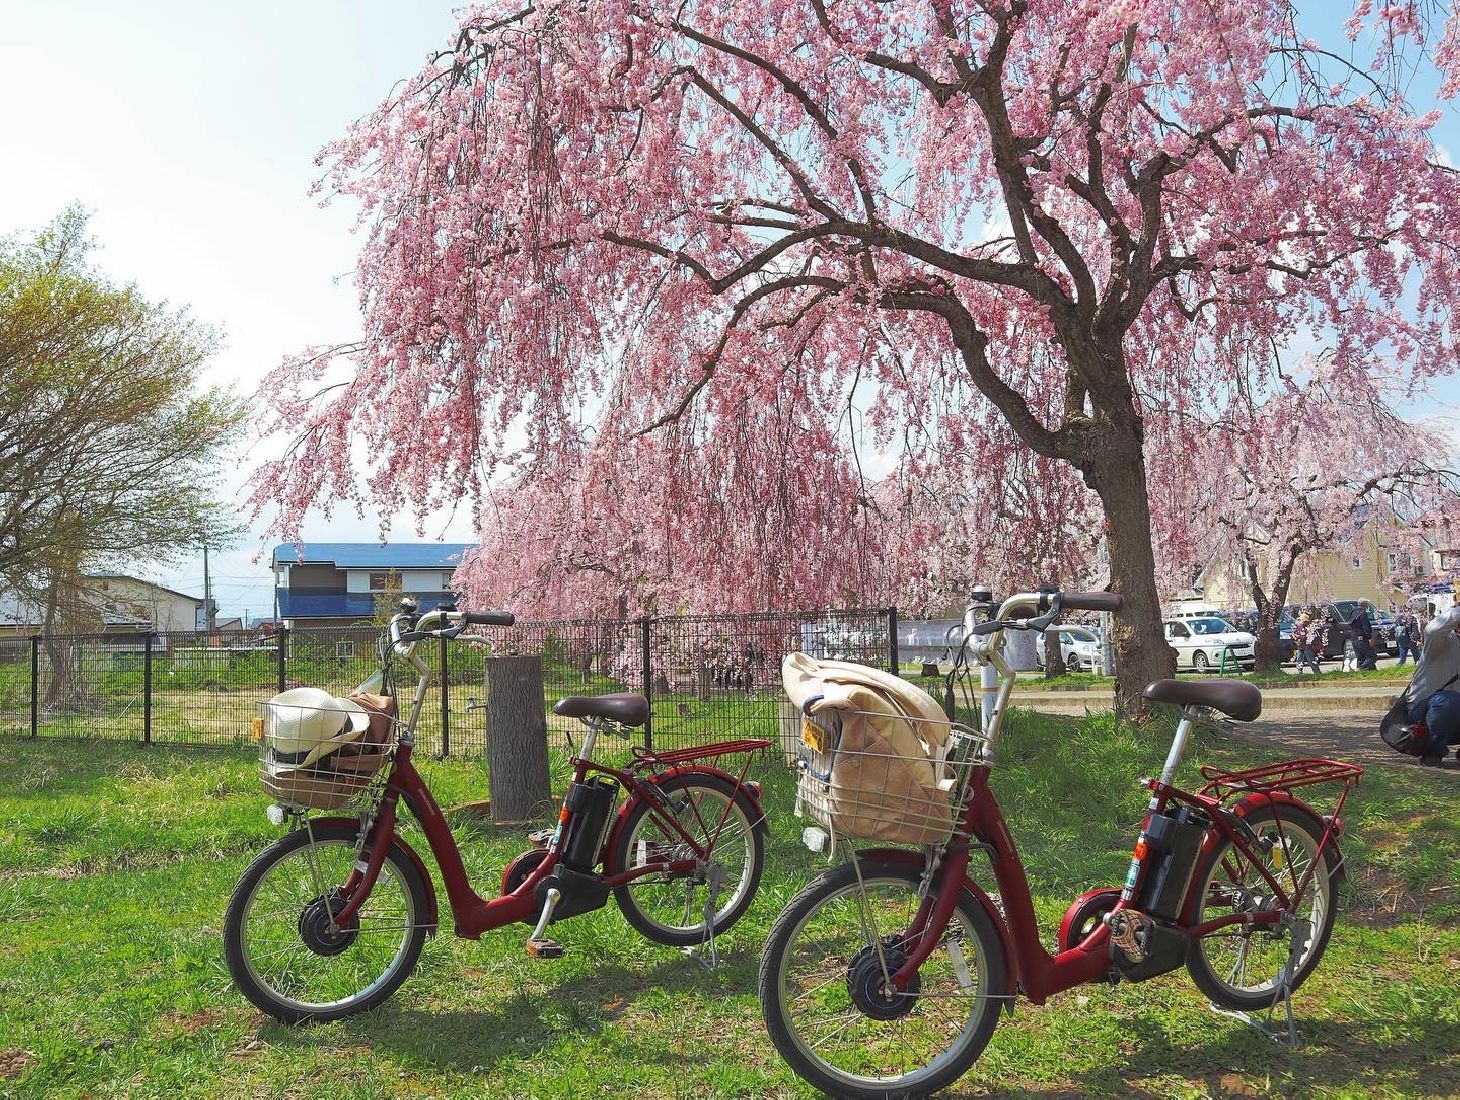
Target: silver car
[{"x": 1080, "y": 648}]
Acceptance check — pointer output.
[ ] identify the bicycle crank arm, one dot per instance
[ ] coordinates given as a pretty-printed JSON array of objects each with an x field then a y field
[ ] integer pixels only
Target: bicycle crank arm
[{"x": 538, "y": 945}]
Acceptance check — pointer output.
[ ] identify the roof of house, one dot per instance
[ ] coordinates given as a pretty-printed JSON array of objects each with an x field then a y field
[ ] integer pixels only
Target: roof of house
[
  {"x": 375, "y": 555},
  {"x": 106, "y": 575}
]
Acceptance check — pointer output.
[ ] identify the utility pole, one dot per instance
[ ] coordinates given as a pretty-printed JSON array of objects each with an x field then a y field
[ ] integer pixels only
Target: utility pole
[{"x": 210, "y": 613}]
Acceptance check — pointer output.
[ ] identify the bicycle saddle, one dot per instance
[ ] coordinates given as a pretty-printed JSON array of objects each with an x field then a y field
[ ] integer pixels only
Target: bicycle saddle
[
  {"x": 1234, "y": 698},
  {"x": 627, "y": 709}
]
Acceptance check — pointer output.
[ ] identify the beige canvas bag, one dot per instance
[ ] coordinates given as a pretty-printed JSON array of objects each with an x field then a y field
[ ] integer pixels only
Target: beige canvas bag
[{"x": 872, "y": 752}]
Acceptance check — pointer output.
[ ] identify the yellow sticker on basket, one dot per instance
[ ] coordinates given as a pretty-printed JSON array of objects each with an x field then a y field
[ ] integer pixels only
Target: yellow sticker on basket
[
  {"x": 813, "y": 735},
  {"x": 258, "y": 729}
]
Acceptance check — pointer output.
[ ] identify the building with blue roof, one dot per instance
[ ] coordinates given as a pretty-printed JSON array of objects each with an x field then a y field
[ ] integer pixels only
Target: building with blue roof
[{"x": 338, "y": 583}]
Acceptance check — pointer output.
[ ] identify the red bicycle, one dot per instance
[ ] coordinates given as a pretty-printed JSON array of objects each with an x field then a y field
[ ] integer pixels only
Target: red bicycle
[
  {"x": 885, "y": 976},
  {"x": 330, "y": 920}
]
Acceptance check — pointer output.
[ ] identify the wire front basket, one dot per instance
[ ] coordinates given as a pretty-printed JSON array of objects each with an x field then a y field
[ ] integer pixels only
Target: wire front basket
[
  {"x": 894, "y": 778},
  {"x": 336, "y": 770}
]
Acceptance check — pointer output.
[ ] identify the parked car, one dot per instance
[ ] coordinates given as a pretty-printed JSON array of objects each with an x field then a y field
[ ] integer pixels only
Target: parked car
[
  {"x": 1335, "y": 614},
  {"x": 1080, "y": 647},
  {"x": 1247, "y": 620},
  {"x": 1384, "y": 640},
  {"x": 1208, "y": 643}
]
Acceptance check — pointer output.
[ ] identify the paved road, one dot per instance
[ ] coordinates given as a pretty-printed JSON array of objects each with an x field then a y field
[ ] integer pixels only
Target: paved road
[
  {"x": 1345, "y": 733},
  {"x": 1350, "y": 736}
]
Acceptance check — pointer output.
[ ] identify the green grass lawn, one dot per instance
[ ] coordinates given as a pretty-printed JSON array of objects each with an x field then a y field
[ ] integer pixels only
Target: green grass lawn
[{"x": 116, "y": 863}]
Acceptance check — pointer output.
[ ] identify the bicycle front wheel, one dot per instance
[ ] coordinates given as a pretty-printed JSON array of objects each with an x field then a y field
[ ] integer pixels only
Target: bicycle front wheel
[
  {"x": 669, "y": 906},
  {"x": 1246, "y": 967},
  {"x": 824, "y": 997},
  {"x": 281, "y": 949}
]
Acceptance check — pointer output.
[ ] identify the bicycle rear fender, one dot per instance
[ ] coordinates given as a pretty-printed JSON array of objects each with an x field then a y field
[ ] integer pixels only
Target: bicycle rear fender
[
  {"x": 1253, "y": 803},
  {"x": 976, "y": 893},
  {"x": 750, "y": 790},
  {"x": 410, "y": 853},
  {"x": 1256, "y": 800}
]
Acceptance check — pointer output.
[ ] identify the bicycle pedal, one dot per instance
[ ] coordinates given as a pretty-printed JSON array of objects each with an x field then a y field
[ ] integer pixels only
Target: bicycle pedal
[
  {"x": 545, "y": 949},
  {"x": 539, "y": 838}
]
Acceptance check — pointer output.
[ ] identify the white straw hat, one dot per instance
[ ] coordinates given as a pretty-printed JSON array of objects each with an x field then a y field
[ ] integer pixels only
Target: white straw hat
[{"x": 313, "y": 722}]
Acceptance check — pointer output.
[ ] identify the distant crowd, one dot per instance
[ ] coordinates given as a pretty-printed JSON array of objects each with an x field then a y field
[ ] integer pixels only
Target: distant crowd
[{"x": 1353, "y": 631}]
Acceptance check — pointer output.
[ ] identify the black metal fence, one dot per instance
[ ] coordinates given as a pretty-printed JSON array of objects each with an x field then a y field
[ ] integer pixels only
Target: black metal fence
[{"x": 707, "y": 677}]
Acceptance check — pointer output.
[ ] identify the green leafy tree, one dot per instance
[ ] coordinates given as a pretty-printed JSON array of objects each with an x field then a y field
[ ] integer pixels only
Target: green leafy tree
[{"x": 109, "y": 448}]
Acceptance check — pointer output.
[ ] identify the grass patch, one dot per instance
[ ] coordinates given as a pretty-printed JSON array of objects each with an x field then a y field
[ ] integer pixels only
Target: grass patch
[{"x": 116, "y": 863}]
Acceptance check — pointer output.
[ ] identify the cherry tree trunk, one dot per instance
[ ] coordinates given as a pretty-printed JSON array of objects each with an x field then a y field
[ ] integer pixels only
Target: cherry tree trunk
[
  {"x": 1265, "y": 650},
  {"x": 1118, "y": 477},
  {"x": 517, "y": 759}
]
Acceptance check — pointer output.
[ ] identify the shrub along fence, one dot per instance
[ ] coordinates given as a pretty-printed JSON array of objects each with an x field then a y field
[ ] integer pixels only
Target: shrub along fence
[{"x": 707, "y": 677}]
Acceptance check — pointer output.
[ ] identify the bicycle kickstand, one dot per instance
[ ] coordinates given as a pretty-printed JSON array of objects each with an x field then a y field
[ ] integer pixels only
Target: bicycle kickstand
[
  {"x": 538, "y": 945},
  {"x": 715, "y": 875},
  {"x": 1296, "y": 943}
]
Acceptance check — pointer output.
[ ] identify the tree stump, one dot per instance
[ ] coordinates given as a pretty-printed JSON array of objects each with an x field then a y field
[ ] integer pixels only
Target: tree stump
[
  {"x": 516, "y": 739},
  {"x": 790, "y": 728}
]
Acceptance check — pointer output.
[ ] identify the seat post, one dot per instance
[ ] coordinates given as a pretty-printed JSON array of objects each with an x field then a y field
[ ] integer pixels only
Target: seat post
[{"x": 1178, "y": 747}]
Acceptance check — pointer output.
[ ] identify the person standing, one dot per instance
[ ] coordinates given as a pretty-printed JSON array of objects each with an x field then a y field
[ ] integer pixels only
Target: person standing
[
  {"x": 1434, "y": 711},
  {"x": 1406, "y": 636},
  {"x": 1361, "y": 629},
  {"x": 1303, "y": 632}
]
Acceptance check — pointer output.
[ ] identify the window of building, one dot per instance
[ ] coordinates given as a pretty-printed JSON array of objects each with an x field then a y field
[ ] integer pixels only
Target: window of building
[
  {"x": 1356, "y": 563},
  {"x": 384, "y": 582},
  {"x": 1393, "y": 560}
]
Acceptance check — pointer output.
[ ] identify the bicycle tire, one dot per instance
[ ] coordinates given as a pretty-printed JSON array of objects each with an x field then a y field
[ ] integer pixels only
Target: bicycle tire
[
  {"x": 820, "y": 955},
  {"x": 652, "y": 903},
  {"x": 1227, "y": 882},
  {"x": 399, "y": 898}
]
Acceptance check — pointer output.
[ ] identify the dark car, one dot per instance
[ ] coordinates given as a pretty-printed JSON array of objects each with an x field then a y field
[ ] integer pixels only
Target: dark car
[
  {"x": 1247, "y": 620},
  {"x": 1384, "y": 639},
  {"x": 1383, "y": 623},
  {"x": 1334, "y": 615}
]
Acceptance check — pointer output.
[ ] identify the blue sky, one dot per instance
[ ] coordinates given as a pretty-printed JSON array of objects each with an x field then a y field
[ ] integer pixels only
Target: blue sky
[{"x": 190, "y": 130}]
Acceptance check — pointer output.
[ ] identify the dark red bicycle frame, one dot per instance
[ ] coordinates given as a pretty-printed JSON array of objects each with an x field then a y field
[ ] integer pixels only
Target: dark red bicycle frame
[
  {"x": 473, "y": 914},
  {"x": 1031, "y": 968}
]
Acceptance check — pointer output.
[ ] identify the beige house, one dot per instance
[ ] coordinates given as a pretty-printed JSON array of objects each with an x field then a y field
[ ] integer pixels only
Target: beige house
[
  {"x": 1385, "y": 569},
  {"x": 116, "y": 604}
]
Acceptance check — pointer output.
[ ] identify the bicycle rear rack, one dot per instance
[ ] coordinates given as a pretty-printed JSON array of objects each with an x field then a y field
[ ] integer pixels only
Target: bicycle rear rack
[
  {"x": 702, "y": 752},
  {"x": 1285, "y": 776}
]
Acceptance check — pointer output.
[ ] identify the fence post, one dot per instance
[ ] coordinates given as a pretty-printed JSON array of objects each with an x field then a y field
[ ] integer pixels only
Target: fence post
[
  {"x": 646, "y": 641},
  {"x": 283, "y": 635},
  {"x": 895, "y": 666},
  {"x": 445, "y": 703},
  {"x": 35, "y": 685},
  {"x": 147, "y": 690}
]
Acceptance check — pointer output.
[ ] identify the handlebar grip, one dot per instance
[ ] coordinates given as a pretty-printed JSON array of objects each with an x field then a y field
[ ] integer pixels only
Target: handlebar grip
[
  {"x": 490, "y": 618},
  {"x": 1091, "y": 601}
]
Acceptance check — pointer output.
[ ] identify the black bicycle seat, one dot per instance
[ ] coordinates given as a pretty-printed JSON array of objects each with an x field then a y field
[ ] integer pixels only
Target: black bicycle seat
[
  {"x": 627, "y": 709},
  {"x": 1234, "y": 698}
]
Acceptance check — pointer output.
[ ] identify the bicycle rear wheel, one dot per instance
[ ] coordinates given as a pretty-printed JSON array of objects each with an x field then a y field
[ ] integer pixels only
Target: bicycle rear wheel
[
  {"x": 281, "y": 950},
  {"x": 1245, "y": 967},
  {"x": 822, "y": 986},
  {"x": 669, "y": 907}
]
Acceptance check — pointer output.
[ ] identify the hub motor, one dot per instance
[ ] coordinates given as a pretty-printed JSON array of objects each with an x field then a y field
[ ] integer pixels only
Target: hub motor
[
  {"x": 868, "y": 988},
  {"x": 314, "y": 925}
]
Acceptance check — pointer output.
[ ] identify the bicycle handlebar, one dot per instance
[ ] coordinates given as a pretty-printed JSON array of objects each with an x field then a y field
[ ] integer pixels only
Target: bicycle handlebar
[
  {"x": 427, "y": 625},
  {"x": 1091, "y": 601}
]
